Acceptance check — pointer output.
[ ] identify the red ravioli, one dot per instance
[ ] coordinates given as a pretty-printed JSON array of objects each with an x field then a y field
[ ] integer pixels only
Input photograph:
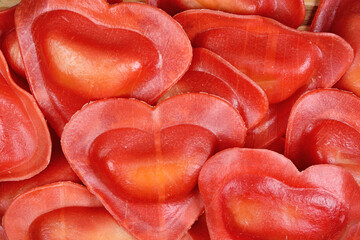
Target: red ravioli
[
  {"x": 61, "y": 210},
  {"x": 58, "y": 170},
  {"x": 280, "y": 59},
  {"x": 211, "y": 74},
  {"x": 272, "y": 126},
  {"x": 8, "y": 41},
  {"x": 76, "y": 52},
  {"x": 25, "y": 143},
  {"x": 142, "y": 162},
  {"x": 11, "y": 49},
  {"x": 342, "y": 18},
  {"x": 326, "y": 133},
  {"x": 259, "y": 194},
  {"x": 288, "y": 12}
]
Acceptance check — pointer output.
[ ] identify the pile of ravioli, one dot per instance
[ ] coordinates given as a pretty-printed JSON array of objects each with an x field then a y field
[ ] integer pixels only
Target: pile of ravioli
[{"x": 179, "y": 120}]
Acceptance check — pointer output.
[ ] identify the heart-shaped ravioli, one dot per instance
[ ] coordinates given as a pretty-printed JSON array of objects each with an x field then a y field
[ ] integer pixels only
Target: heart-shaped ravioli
[
  {"x": 55, "y": 214},
  {"x": 328, "y": 133},
  {"x": 179, "y": 151},
  {"x": 9, "y": 46},
  {"x": 11, "y": 50},
  {"x": 212, "y": 74},
  {"x": 74, "y": 53},
  {"x": 25, "y": 144},
  {"x": 281, "y": 60},
  {"x": 259, "y": 194},
  {"x": 342, "y": 18},
  {"x": 290, "y": 13},
  {"x": 143, "y": 162},
  {"x": 57, "y": 170}
]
